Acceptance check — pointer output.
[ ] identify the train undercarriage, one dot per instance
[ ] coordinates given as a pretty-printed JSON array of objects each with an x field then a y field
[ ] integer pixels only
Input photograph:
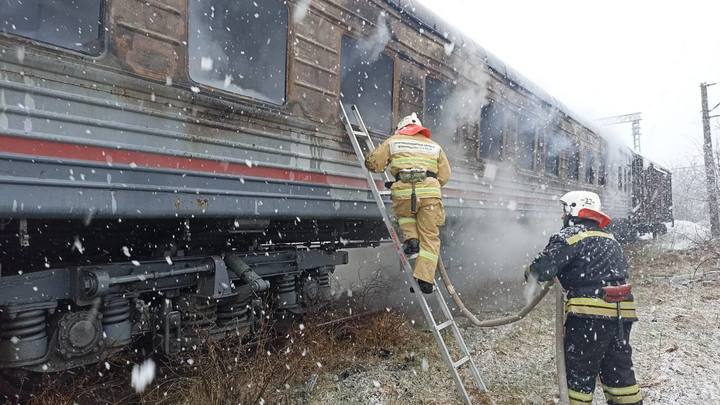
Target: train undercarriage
[{"x": 74, "y": 298}]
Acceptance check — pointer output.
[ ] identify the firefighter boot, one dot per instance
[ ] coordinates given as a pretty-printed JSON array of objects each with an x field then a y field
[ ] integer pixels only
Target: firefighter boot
[{"x": 425, "y": 287}]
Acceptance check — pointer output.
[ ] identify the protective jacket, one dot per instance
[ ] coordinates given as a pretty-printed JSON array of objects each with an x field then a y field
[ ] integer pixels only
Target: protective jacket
[
  {"x": 585, "y": 259},
  {"x": 416, "y": 152},
  {"x": 412, "y": 152}
]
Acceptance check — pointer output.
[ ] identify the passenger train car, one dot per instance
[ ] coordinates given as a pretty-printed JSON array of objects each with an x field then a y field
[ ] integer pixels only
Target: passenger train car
[{"x": 174, "y": 165}]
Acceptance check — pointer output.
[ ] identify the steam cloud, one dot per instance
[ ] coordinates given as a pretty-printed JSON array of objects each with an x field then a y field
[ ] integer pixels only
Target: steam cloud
[
  {"x": 373, "y": 45},
  {"x": 301, "y": 10}
]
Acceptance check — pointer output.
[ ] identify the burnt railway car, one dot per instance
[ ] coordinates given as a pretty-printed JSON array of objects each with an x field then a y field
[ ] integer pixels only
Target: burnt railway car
[{"x": 173, "y": 165}]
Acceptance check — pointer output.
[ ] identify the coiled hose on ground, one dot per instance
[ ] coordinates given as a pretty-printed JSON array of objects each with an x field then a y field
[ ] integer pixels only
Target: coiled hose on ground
[{"x": 559, "y": 324}]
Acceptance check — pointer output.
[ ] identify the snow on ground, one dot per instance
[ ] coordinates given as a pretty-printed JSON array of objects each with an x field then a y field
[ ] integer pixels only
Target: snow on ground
[
  {"x": 676, "y": 350},
  {"x": 684, "y": 235}
]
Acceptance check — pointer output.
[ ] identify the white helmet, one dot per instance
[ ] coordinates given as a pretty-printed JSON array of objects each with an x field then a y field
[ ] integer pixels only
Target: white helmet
[
  {"x": 408, "y": 120},
  {"x": 584, "y": 204}
]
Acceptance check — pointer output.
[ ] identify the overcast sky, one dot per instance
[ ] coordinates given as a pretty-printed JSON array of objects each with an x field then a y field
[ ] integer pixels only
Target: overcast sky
[{"x": 609, "y": 57}]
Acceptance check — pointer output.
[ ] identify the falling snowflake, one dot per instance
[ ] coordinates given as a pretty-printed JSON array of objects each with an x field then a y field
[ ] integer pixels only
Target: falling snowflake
[
  {"x": 206, "y": 64},
  {"x": 142, "y": 375}
]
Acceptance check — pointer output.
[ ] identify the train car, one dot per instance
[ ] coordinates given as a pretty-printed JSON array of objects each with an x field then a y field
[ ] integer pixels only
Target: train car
[
  {"x": 652, "y": 197},
  {"x": 174, "y": 165}
]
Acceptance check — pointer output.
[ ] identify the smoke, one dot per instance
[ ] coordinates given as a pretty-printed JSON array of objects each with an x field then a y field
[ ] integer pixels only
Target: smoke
[
  {"x": 485, "y": 259},
  {"x": 373, "y": 45},
  {"x": 531, "y": 289},
  {"x": 300, "y": 11}
]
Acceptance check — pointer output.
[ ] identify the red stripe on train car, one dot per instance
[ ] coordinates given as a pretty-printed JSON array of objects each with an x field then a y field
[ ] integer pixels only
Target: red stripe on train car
[
  {"x": 54, "y": 149},
  {"x": 62, "y": 150}
]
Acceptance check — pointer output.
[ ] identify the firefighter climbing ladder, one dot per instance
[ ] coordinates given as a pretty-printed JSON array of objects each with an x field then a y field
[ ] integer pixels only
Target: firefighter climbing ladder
[{"x": 466, "y": 359}]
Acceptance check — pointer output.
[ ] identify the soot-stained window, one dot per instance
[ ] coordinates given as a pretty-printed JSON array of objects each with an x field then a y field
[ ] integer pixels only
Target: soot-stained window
[
  {"x": 525, "y": 144},
  {"x": 602, "y": 170},
  {"x": 554, "y": 145},
  {"x": 573, "y": 161},
  {"x": 628, "y": 180},
  {"x": 620, "y": 178},
  {"x": 437, "y": 116},
  {"x": 589, "y": 168},
  {"x": 240, "y": 46},
  {"x": 367, "y": 81},
  {"x": 492, "y": 131},
  {"x": 71, "y": 24}
]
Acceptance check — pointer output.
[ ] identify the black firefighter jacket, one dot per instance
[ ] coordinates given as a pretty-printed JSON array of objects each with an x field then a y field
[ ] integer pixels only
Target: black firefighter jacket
[{"x": 585, "y": 259}]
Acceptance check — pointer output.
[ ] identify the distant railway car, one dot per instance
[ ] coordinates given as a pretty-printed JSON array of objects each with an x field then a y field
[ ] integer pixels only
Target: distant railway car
[
  {"x": 652, "y": 197},
  {"x": 173, "y": 165}
]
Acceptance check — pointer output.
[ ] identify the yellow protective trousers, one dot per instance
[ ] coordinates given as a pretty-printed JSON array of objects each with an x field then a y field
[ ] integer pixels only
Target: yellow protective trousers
[{"x": 424, "y": 226}]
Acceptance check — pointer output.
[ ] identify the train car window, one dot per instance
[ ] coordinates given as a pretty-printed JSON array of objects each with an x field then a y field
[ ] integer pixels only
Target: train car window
[
  {"x": 589, "y": 168},
  {"x": 437, "y": 117},
  {"x": 573, "y": 161},
  {"x": 602, "y": 171},
  {"x": 525, "y": 143},
  {"x": 367, "y": 80},
  {"x": 239, "y": 46},
  {"x": 492, "y": 131},
  {"x": 627, "y": 180},
  {"x": 75, "y": 25},
  {"x": 554, "y": 145}
]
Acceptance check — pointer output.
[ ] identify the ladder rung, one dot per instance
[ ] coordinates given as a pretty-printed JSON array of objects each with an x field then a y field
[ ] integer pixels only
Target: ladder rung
[
  {"x": 360, "y": 133},
  {"x": 444, "y": 325},
  {"x": 462, "y": 361},
  {"x": 384, "y": 192}
]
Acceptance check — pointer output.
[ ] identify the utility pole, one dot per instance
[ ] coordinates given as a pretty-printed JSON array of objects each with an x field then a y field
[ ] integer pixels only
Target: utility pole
[{"x": 709, "y": 163}]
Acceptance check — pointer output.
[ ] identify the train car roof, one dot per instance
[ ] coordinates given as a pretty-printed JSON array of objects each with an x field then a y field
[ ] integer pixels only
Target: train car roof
[
  {"x": 424, "y": 18},
  {"x": 421, "y": 16}
]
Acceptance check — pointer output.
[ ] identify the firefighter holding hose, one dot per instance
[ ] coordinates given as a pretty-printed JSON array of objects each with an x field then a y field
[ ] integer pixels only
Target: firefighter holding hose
[
  {"x": 421, "y": 168},
  {"x": 600, "y": 310}
]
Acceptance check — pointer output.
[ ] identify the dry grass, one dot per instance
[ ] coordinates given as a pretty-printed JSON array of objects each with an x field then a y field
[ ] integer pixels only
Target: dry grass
[{"x": 225, "y": 372}]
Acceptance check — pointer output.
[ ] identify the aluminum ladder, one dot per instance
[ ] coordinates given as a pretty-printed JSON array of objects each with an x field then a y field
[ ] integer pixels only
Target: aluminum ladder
[{"x": 437, "y": 328}]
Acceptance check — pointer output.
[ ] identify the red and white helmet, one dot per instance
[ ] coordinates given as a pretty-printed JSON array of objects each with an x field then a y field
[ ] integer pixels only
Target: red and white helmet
[
  {"x": 411, "y": 125},
  {"x": 584, "y": 204}
]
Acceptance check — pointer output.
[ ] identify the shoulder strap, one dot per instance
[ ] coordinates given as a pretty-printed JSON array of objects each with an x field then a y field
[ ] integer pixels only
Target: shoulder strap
[{"x": 588, "y": 234}]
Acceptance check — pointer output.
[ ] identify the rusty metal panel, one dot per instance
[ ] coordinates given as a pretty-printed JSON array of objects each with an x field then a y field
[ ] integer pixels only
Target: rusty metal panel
[
  {"x": 149, "y": 37},
  {"x": 314, "y": 68},
  {"x": 410, "y": 94}
]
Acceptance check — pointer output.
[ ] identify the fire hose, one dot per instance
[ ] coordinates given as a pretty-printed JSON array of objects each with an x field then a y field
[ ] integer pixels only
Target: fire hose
[{"x": 559, "y": 324}]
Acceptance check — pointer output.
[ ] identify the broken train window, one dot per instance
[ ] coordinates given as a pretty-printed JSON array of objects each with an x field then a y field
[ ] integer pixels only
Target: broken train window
[
  {"x": 71, "y": 24},
  {"x": 367, "y": 81},
  {"x": 240, "y": 46},
  {"x": 554, "y": 145},
  {"x": 602, "y": 170},
  {"x": 589, "y": 167},
  {"x": 492, "y": 131},
  {"x": 573, "y": 161},
  {"x": 525, "y": 143},
  {"x": 437, "y": 116}
]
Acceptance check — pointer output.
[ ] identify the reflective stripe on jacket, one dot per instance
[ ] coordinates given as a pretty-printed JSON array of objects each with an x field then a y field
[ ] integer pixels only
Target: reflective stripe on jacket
[
  {"x": 597, "y": 307},
  {"x": 411, "y": 152}
]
